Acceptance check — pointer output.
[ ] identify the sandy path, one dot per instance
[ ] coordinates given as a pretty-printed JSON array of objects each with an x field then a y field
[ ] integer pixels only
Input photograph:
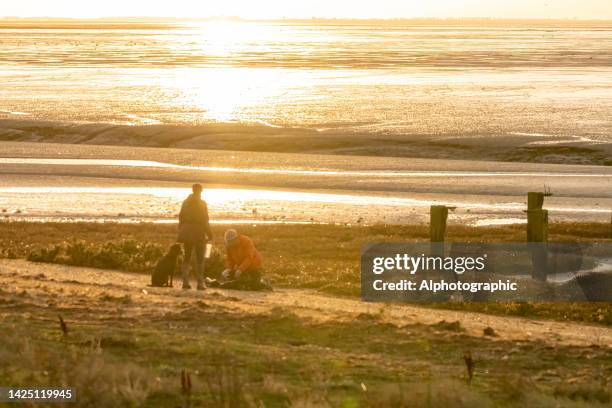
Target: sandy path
[{"x": 83, "y": 289}]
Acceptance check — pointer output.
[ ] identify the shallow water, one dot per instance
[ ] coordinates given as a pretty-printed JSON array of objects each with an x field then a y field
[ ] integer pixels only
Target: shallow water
[
  {"x": 102, "y": 183},
  {"x": 301, "y": 172},
  {"x": 160, "y": 204},
  {"x": 366, "y": 79}
]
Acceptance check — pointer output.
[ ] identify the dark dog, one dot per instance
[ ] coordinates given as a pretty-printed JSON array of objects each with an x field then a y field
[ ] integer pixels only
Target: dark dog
[{"x": 163, "y": 274}]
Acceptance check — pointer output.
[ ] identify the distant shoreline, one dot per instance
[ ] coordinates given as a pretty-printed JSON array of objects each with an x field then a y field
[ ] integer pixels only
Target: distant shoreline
[{"x": 168, "y": 22}]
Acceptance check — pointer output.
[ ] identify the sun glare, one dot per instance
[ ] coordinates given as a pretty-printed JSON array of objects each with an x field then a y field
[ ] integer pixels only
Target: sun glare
[
  {"x": 223, "y": 94},
  {"x": 221, "y": 38}
]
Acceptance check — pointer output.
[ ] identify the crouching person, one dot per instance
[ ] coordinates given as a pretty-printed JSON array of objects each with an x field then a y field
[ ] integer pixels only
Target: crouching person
[{"x": 243, "y": 264}]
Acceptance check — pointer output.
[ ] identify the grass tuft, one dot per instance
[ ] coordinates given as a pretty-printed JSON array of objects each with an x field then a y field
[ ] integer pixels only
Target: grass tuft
[
  {"x": 63, "y": 326},
  {"x": 489, "y": 331},
  {"x": 449, "y": 326},
  {"x": 469, "y": 366}
]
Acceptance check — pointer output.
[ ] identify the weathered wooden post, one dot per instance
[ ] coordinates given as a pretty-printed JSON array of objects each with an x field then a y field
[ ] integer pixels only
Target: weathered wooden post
[
  {"x": 438, "y": 214},
  {"x": 537, "y": 218},
  {"x": 537, "y": 234}
]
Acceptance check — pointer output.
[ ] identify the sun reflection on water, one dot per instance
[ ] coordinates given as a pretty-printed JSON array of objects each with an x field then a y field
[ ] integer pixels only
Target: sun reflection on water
[{"x": 224, "y": 94}]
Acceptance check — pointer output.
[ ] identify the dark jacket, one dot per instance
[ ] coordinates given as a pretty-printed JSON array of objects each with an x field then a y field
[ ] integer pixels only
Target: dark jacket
[{"x": 194, "y": 224}]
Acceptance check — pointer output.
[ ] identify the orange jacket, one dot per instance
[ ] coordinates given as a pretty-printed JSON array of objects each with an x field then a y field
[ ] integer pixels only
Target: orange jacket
[{"x": 243, "y": 255}]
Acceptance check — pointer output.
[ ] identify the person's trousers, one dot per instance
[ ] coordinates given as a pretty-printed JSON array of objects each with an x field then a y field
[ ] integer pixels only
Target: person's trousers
[
  {"x": 250, "y": 280},
  {"x": 193, "y": 249}
]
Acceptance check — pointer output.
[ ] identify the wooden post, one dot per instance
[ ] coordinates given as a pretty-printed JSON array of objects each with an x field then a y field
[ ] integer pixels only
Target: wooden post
[
  {"x": 537, "y": 234},
  {"x": 537, "y": 225},
  {"x": 537, "y": 218},
  {"x": 438, "y": 214},
  {"x": 535, "y": 201}
]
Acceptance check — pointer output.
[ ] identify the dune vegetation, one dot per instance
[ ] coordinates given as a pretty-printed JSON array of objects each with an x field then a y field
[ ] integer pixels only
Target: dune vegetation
[
  {"x": 320, "y": 257},
  {"x": 119, "y": 343},
  {"x": 122, "y": 344}
]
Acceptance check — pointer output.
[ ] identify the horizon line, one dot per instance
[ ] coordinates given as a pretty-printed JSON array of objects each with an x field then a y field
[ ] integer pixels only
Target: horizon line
[{"x": 221, "y": 17}]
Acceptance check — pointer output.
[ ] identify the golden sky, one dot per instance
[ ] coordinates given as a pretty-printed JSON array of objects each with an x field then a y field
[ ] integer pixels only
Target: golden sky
[{"x": 261, "y": 9}]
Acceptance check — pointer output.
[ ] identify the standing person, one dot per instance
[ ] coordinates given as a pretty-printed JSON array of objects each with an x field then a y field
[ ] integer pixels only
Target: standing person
[{"x": 194, "y": 231}]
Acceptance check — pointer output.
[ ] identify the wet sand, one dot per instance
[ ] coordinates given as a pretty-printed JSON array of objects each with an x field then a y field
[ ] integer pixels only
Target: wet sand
[
  {"x": 68, "y": 182},
  {"x": 530, "y": 146},
  {"x": 471, "y": 89}
]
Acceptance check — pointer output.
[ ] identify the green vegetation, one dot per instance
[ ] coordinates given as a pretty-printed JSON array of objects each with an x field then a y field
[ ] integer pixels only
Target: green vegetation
[
  {"x": 203, "y": 355},
  {"x": 122, "y": 345},
  {"x": 321, "y": 257},
  {"x": 129, "y": 255},
  {"x": 126, "y": 255}
]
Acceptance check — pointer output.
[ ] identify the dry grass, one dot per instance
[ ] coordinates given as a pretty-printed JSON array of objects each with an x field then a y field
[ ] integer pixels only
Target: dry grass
[
  {"x": 279, "y": 360},
  {"x": 120, "y": 347}
]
